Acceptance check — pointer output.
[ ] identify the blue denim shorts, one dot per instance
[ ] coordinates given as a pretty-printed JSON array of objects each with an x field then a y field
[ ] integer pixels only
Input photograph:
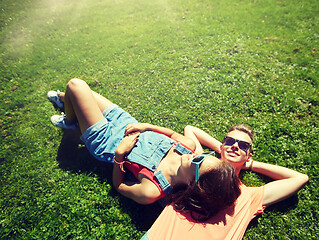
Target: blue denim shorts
[{"x": 102, "y": 138}]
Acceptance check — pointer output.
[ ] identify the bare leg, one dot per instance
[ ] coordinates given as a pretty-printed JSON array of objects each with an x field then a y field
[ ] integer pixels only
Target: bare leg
[
  {"x": 81, "y": 103},
  {"x": 101, "y": 101}
]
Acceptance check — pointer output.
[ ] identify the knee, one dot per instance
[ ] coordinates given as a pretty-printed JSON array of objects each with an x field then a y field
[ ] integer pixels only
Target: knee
[
  {"x": 76, "y": 83},
  {"x": 187, "y": 129}
]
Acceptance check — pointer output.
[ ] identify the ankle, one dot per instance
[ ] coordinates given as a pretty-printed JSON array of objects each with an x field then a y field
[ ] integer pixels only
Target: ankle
[{"x": 61, "y": 96}]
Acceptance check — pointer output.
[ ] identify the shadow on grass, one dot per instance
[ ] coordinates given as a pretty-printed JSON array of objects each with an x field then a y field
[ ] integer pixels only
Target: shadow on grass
[
  {"x": 73, "y": 156},
  {"x": 281, "y": 207}
]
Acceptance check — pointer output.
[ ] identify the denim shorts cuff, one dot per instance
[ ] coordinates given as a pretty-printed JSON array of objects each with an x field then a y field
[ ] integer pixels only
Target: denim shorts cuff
[
  {"x": 109, "y": 109},
  {"x": 93, "y": 128},
  {"x": 96, "y": 126}
]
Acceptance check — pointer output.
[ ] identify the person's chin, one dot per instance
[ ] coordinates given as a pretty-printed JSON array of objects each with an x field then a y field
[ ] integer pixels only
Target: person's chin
[{"x": 232, "y": 160}]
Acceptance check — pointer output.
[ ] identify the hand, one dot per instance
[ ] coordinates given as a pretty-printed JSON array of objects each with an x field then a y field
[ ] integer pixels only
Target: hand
[
  {"x": 127, "y": 143},
  {"x": 136, "y": 127}
]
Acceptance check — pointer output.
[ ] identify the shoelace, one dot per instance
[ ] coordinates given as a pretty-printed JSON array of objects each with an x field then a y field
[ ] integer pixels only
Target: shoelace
[{"x": 66, "y": 122}]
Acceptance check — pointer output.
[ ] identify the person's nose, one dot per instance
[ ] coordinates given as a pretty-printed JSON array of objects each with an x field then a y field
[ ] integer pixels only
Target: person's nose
[{"x": 235, "y": 146}]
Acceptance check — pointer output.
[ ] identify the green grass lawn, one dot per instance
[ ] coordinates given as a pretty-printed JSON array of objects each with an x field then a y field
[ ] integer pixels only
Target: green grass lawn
[{"x": 210, "y": 64}]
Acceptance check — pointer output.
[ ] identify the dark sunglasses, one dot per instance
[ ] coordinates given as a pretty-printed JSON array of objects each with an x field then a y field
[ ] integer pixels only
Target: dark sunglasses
[
  {"x": 198, "y": 160},
  {"x": 229, "y": 141}
]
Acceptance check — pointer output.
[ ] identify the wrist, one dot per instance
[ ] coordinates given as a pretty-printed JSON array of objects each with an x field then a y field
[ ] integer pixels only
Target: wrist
[
  {"x": 251, "y": 165},
  {"x": 119, "y": 156},
  {"x": 148, "y": 126},
  {"x": 120, "y": 163}
]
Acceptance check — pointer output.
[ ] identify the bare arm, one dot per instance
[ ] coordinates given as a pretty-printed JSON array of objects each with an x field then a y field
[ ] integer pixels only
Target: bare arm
[
  {"x": 287, "y": 182},
  {"x": 141, "y": 127},
  {"x": 143, "y": 192},
  {"x": 201, "y": 138}
]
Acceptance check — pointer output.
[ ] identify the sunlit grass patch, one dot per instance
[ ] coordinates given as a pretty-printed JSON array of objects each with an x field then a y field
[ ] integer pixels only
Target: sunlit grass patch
[{"x": 206, "y": 63}]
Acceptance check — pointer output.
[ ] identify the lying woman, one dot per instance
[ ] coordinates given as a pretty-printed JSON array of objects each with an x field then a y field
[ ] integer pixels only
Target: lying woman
[
  {"x": 231, "y": 222},
  {"x": 160, "y": 158}
]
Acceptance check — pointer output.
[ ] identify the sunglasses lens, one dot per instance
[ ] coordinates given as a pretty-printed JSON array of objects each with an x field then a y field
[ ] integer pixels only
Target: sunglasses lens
[
  {"x": 197, "y": 159},
  {"x": 243, "y": 146},
  {"x": 229, "y": 141}
]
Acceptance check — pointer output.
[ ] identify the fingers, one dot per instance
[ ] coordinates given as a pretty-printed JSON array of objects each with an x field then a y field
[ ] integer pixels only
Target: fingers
[
  {"x": 132, "y": 137},
  {"x": 131, "y": 128},
  {"x": 127, "y": 143},
  {"x": 128, "y": 129}
]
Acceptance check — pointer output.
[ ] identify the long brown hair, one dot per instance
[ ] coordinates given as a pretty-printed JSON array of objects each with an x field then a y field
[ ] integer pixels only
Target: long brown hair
[{"x": 215, "y": 190}]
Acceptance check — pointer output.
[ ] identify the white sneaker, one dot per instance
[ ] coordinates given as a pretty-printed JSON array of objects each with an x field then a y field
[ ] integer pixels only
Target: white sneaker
[
  {"x": 60, "y": 121},
  {"x": 53, "y": 96}
]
